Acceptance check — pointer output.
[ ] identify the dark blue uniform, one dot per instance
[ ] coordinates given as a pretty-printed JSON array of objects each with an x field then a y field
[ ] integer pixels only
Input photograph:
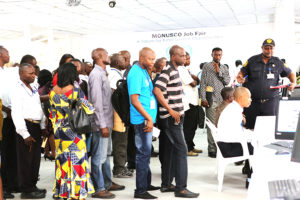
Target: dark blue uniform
[{"x": 260, "y": 77}]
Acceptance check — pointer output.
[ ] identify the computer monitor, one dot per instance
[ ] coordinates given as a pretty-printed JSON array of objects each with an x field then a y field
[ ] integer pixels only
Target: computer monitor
[
  {"x": 296, "y": 147},
  {"x": 287, "y": 118}
]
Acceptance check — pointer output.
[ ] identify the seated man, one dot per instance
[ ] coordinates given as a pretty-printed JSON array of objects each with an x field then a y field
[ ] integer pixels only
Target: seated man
[{"x": 230, "y": 129}]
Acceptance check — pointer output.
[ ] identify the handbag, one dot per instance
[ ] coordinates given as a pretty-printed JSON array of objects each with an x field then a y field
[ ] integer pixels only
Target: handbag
[{"x": 79, "y": 121}]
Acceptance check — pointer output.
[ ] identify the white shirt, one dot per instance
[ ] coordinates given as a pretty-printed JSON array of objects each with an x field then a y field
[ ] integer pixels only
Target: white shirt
[
  {"x": 191, "y": 95},
  {"x": 230, "y": 127},
  {"x": 9, "y": 77},
  {"x": 26, "y": 104},
  {"x": 84, "y": 77},
  {"x": 114, "y": 76}
]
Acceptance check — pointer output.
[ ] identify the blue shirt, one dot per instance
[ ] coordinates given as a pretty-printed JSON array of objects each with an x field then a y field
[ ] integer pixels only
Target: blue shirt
[{"x": 139, "y": 82}]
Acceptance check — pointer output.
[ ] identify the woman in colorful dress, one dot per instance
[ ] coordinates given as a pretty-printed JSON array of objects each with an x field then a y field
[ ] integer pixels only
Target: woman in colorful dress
[{"x": 71, "y": 165}]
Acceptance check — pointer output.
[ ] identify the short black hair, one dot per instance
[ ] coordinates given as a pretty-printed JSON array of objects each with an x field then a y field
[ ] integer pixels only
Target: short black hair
[
  {"x": 216, "y": 49},
  {"x": 114, "y": 59},
  {"x": 66, "y": 74},
  {"x": 75, "y": 60},
  {"x": 45, "y": 76},
  {"x": 225, "y": 92},
  {"x": 27, "y": 59},
  {"x": 159, "y": 62},
  {"x": 24, "y": 66},
  {"x": 187, "y": 54},
  {"x": 173, "y": 49},
  {"x": 238, "y": 62}
]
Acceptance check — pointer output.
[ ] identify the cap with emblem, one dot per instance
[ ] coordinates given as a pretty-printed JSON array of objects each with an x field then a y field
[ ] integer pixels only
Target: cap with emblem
[{"x": 269, "y": 42}]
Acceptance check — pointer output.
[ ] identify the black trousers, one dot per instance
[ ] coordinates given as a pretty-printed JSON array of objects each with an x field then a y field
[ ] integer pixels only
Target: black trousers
[
  {"x": 257, "y": 108},
  {"x": 9, "y": 156},
  {"x": 190, "y": 124},
  {"x": 233, "y": 149},
  {"x": 119, "y": 145},
  {"x": 175, "y": 158},
  {"x": 131, "y": 149},
  {"x": 29, "y": 158}
]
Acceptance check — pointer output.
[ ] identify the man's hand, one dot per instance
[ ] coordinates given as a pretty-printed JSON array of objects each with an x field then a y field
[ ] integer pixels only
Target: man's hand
[
  {"x": 291, "y": 86},
  {"x": 240, "y": 78},
  {"x": 205, "y": 104},
  {"x": 105, "y": 132},
  {"x": 216, "y": 67},
  {"x": 175, "y": 115},
  {"x": 149, "y": 126},
  {"x": 28, "y": 141}
]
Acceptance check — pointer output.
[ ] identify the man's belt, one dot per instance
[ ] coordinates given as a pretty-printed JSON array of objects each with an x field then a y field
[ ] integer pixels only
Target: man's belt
[
  {"x": 34, "y": 121},
  {"x": 260, "y": 100}
]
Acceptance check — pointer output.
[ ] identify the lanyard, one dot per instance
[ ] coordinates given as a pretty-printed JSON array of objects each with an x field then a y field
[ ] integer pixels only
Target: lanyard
[
  {"x": 148, "y": 78},
  {"x": 34, "y": 90},
  {"x": 117, "y": 71}
]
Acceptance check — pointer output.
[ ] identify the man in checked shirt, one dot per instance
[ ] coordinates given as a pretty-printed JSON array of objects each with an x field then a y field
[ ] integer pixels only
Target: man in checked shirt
[{"x": 215, "y": 76}]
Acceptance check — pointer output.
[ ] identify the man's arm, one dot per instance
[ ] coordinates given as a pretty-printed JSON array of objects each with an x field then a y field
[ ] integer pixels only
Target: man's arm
[
  {"x": 138, "y": 106},
  {"x": 6, "y": 110},
  {"x": 223, "y": 75},
  {"x": 161, "y": 99},
  {"x": 292, "y": 78},
  {"x": 204, "y": 102},
  {"x": 95, "y": 93}
]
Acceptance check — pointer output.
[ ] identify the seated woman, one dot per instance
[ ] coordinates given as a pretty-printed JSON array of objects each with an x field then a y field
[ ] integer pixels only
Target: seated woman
[{"x": 71, "y": 165}]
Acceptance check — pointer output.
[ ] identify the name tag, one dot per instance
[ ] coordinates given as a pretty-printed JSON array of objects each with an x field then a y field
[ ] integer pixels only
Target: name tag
[
  {"x": 152, "y": 104},
  {"x": 270, "y": 76}
]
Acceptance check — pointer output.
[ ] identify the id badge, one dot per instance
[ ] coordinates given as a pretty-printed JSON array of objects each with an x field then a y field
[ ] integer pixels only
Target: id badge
[
  {"x": 270, "y": 76},
  {"x": 152, "y": 104}
]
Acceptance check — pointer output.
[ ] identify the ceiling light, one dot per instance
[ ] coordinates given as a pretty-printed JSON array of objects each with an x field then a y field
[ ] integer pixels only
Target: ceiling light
[{"x": 112, "y": 3}]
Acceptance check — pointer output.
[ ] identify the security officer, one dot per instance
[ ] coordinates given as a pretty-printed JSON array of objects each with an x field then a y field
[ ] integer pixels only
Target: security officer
[{"x": 258, "y": 74}]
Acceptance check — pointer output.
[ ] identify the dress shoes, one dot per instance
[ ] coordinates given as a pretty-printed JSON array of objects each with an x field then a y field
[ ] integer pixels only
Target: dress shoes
[
  {"x": 186, "y": 194},
  {"x": 33, "y": 195},
  {"x": 191, "y": 153},
  {"x": 212, "y": 154},
  {"x": 151, "y": 188},
  {"x": 116, "y": 187},
  {"x": 104, "y": 194},
  {"x": 197, "y": 150},
  {"x": 40, "y": 190},
  {"x": 8, "y": 195},
  {"x": 171, "y": 188}
]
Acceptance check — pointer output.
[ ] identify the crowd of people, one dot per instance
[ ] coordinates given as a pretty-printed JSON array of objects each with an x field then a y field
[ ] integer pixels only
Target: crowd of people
[{"x": 164, "y": 94}]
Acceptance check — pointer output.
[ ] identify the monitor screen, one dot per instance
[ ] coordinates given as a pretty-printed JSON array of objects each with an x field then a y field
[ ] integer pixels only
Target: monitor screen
[
  {"x": 296, "y": 147},
  {"x": 287, "y": 119}
]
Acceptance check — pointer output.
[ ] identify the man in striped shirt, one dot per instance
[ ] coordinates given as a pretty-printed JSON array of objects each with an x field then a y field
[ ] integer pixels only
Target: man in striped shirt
[{"x": 168, "y": 91}]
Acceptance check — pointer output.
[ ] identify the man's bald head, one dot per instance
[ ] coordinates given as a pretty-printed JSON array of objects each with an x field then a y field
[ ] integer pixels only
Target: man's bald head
[
  {"x": 100, "y": 57},
  {"x": 146, "y": 58},
  {"x": 242, "y": 96},
  {"x": 97, "y": 53},
  {"x": 145, "y": 51},
  {"x": 4, "y": 56},
  {"x": 127, "y": 57}
]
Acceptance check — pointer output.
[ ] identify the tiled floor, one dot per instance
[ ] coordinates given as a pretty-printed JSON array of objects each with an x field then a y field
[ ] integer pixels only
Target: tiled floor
[{"x": 201, "y": 177}]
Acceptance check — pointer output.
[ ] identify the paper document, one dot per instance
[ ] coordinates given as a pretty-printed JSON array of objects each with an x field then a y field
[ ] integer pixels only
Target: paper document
[{"x": 155, "y": 132}]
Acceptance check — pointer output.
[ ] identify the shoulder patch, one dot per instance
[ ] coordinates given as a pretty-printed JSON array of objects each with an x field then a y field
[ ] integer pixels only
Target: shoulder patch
[
  {"x": 245, "y": 64},
  {"x": 285, "y": 65}
]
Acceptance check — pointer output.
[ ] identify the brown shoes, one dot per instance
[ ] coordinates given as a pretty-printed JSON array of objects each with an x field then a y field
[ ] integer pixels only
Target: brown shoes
[
  {"x": 116, "y": 187},
  {"x": 104, "y": 194},
  {"x": 197, "y": 150},
  {"x": 191, "y": 153}
]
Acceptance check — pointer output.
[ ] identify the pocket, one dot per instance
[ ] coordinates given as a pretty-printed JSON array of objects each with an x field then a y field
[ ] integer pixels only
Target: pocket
[{"x": 255, "y": 74}]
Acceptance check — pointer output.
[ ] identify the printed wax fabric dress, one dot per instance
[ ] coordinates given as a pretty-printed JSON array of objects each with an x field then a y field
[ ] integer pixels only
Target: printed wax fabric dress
[{"x": 71, "y": 164}]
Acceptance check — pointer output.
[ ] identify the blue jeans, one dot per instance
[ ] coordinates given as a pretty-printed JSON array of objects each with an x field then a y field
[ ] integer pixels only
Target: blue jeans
[
  {"x": 100, "y": 164},
  {"x": 143, "y": 143},
  {"x": 175, "y": 162}
]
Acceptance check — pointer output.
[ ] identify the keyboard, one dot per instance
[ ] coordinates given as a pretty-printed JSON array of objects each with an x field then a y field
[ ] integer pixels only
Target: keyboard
[
  {"x": 284, "y": 189},
  {"x": 285, "y": 144}
]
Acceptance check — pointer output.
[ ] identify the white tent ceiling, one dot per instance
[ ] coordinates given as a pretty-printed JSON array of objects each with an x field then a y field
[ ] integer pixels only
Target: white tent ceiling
[{"x": 95, "y": 16}]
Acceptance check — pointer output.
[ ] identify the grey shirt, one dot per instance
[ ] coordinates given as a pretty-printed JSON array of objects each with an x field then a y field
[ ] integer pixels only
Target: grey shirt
[
  {"x": 100, "y": 96},
  {"x": 209, "y": 77}
]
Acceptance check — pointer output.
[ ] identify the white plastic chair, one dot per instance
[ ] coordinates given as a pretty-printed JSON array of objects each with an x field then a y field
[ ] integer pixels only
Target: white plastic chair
[{"x": 221, "y": 161}]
